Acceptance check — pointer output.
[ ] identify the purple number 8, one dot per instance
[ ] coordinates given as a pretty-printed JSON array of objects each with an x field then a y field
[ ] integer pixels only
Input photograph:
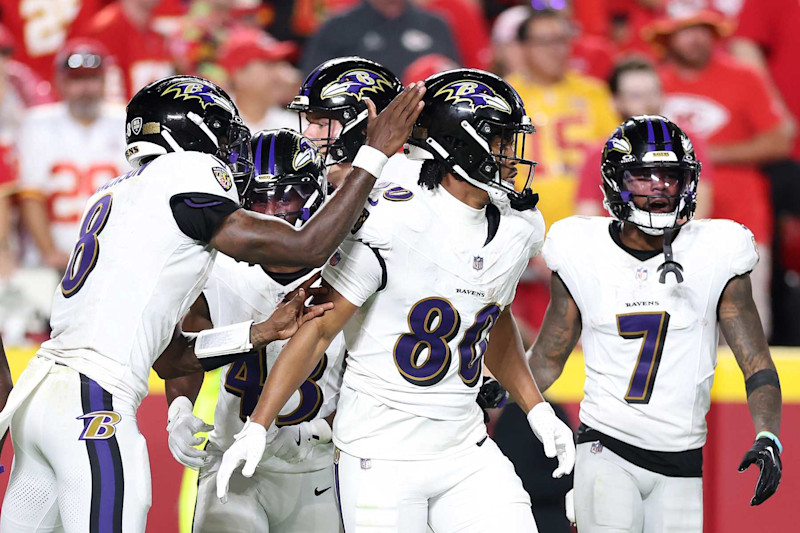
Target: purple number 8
[{"x": 84, "y": 256}]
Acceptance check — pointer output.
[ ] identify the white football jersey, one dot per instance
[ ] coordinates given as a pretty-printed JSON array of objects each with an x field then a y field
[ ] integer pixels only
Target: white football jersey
[
  {"x": 650, "y": 348},
  {"x": 429, "y": 290},
  {"x": 238, "y": 292},
  {"x": 66, "y": 161},
  {"x": 133, "y": 273}
]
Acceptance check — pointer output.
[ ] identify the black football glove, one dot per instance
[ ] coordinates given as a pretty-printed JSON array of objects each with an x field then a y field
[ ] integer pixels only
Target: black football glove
[
  {"x": 766, "y": 455},
  {"x": 491, "y": 396}
]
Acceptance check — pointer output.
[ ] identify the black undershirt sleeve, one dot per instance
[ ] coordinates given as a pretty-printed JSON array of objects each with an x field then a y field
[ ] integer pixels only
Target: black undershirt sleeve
[{"x": 198, "y": 214}]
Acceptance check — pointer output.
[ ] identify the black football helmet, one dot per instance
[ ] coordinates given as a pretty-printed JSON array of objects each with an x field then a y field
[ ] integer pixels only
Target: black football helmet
[
  {"x": 191, "y": 114},
  {"x": 288, "y": 167},
  {"x": 336, "y": 89},
  {"x": 649, "y": 147},
  {"x": 466, "y": 111}
]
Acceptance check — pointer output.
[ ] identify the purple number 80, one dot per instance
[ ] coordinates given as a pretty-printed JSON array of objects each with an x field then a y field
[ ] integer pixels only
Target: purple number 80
[{"x": 84, "y": 256}]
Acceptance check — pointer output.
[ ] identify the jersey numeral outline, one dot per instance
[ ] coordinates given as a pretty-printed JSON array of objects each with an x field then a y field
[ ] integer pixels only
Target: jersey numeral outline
[
  {"x": 246, "y": 378},
  {"x": 433, "y": 323},
  {"x": 652, "y": 329},
  {"x": 87, "y": 249}
]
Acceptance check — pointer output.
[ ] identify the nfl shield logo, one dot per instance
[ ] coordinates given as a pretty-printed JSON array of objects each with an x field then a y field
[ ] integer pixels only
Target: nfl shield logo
[
  {"x": 596, "y": 447},
  {"x": 641, "y": 273},
  {"x": 477, "y": 262},
  {"x": 136, "y": 125},
  {"x": 335, "y": 258}
]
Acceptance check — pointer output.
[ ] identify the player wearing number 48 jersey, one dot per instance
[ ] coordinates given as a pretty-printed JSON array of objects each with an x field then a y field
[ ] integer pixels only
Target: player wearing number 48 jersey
[
  {"x": 645, "y": 290},
  {"x": 291, "y": 491},
  {"x": 147, "y": 243},
  {"x": 428, "y": 273}
]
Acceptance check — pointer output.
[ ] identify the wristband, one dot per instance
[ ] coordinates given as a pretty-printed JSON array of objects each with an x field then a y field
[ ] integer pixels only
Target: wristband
[
  {"x": 224, "y": 341},
  {"x": 770, "y": 435},
  {"x": 370, "y": 159}
]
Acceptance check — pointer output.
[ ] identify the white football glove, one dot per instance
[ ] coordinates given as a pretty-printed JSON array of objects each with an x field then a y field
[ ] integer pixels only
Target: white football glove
[
  {"x": 182, "y": 427},
  {"x": 248, "y": 448},
  {"x": 555, "y": 435},
  {"x": 569, "y": 506},
  {"x": 293, "y": 444}
]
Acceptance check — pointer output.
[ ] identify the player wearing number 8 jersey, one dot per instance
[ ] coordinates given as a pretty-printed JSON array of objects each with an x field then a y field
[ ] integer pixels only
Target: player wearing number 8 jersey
[
  {"x": 147, "y": 243},
  {"x": 428, "y": 273},
  {"x": 645, "y": 290}
]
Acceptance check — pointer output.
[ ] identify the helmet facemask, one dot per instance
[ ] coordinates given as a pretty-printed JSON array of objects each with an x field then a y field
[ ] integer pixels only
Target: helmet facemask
[
  {"x": 488, "y": 157},
  {"x": 292, "y": 198},
  {"x": 338, "y": 146},
  {"x": 666, "y": 196}
]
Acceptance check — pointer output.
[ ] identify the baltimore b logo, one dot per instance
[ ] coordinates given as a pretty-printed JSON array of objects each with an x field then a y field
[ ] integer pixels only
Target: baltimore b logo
[
  {"x": 475, "y": 93},
  {"x": 206, "y": 94},
  {"x": 356, "y": 83},
  {"x": 100, "y": 425}
]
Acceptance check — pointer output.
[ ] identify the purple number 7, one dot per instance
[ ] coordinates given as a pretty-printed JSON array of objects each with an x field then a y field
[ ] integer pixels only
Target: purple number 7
[{"x": 652, "y": 329}]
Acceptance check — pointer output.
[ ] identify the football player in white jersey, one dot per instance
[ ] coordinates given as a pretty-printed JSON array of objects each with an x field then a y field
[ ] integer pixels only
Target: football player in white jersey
[
  {"x": 291, "y": 491},
  {"x": 417, "y": 288},
  {"x": 146, "y": 246},
  {"x": 645, "y": 291}
]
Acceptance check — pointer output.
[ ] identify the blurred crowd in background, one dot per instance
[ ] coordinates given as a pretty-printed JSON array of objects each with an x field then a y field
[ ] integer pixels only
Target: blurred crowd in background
[{"x": 722, "y": 69}]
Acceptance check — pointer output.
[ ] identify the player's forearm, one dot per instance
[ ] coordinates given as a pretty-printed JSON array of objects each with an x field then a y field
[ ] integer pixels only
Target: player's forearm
[
  {"x": 505, "y": 359},
  {"x": 293, "y": 366},
  {"x": 765, "y": 409},
  {"x": 188, "y": 386},
  {"x": 178, "y": 359},
  {"x": 770, "y": 146},
  {"x": 35, "y": 218},
  {"x": 558, "y": 336}
]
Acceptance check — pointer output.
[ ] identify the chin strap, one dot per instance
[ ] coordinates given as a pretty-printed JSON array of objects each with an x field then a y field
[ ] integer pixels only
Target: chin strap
[
  {"x": 525, "y": 201},
  {"x": 670, "y": 265}
]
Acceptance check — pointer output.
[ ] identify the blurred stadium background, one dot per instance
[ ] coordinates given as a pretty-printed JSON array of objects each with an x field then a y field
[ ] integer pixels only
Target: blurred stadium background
[{"x": 723, "y": 69}]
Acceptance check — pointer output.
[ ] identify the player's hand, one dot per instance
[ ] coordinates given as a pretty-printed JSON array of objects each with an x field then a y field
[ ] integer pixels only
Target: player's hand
[
  {"x": 248, "y": 448},
  {"x": 388, "y": 131},
  {"x": 293, "y": 444},
  {"x": 767, "y": 456},
  {"x": 555, "y": 435},
  {"x": 569, "y": 506},
  {"x": 182, "y": 427}
]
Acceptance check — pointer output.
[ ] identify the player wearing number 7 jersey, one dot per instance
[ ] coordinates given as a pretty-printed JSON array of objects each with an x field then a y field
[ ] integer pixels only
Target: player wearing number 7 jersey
[
  {"x": 428, "y": 273},
  {"x": 146, "y": 246},
  {"x": 645, "y": 290}
]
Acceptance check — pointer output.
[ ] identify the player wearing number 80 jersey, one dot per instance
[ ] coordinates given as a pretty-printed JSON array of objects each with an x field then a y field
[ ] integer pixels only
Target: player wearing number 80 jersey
[
  {"x": 428, "y": 273},
  {"x": 645, "y": 291}
]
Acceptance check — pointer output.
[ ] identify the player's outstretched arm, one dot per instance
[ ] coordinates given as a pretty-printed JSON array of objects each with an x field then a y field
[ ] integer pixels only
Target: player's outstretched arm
[
  {"x": 267, "y": 241},
  {"x": 740, "y": 323},
  {"x": 295, "y": 362},
  {"x": 560, "y": 332},
  {"x": 505, "y": 358},
  {"x": 186, "y": 355}
]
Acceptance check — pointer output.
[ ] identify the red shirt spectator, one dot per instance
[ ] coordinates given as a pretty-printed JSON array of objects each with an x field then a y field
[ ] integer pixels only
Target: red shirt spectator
[
  {"x": 470, "y": 30},
  {"x": 727, "y": 103},
  {"x": 139, "y": 51},
  {"x": 40, "y": 28},
  {"x": 774, "y": 26}
]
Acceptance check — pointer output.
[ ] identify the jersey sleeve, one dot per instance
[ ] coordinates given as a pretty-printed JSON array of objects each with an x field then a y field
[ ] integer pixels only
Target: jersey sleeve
[
  {"x": 551, "y": 251},
  {"x": 744, "y": 252},
  {"x": 200, "y": 192},
  {"x": 357, "y": 271}
]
